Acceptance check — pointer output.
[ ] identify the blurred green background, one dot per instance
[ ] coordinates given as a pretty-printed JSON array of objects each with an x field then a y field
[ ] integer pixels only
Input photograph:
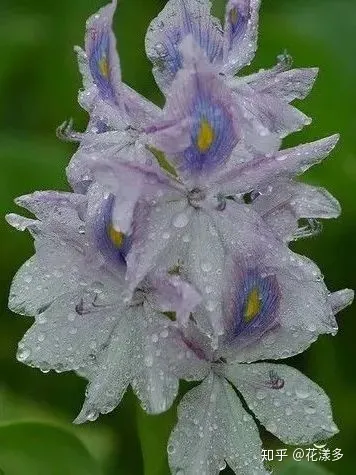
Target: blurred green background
[{"x": 38, "y": 87}]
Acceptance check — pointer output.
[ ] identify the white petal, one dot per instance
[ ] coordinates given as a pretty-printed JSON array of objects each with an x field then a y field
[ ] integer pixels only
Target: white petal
[
  {"x": 296, "y": 410},
  {"x": 140, "y": 352},
  {"x": 35, "y": 285},
  {"x": 155, "y": 384},
  {"x": 287, "y": 85},
  {"x": 213, "y": 428},
  {"x": 70, "y": 334},
  {"x": 112, "y": 372},
  {"x": 341, "y": 299},
  {"x": 204, "y": 268}
]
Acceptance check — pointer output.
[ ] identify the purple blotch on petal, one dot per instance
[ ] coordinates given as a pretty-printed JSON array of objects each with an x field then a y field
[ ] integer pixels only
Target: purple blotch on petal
[
  {"x": 112, "y": 244},
  {"x": 254, "y": 305}
]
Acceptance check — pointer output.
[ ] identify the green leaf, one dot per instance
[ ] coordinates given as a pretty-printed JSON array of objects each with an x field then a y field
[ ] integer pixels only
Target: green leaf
[
  {"x": 302, "y": 468},
  {"x": 33, "y": 448}
]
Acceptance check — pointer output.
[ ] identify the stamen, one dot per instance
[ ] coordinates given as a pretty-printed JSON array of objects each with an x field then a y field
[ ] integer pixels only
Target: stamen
[{"x": 312, "y": 228}]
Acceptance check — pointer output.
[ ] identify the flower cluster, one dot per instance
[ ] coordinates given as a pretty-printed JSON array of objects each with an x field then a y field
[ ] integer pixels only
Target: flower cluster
[{"x": 170, "y": 258}]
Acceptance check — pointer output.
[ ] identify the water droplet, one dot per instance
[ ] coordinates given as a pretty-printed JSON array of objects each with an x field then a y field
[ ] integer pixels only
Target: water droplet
[
  {"x": 180, "y": 220},
  {"x": 23, "y": 355},
  {"x": 170, "y": 449},
  {"x": 301, "y": 393},
  {"x": 206, "y": 266},
  {"x": 148, "y": 361},
  {"x": 260, "y": 395}
]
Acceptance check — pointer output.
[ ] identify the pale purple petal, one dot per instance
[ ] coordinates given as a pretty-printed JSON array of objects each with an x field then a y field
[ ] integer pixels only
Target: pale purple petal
[
  {"x": 283, "y": 205},
  {"x": 103, "y": 61},
  {"x": 285, "y": 85},
  {"x": 178, "y": 19},
  {"x": 170, "y": 293},
  {"x": 200, "y": 110},
  {"x": 260, "y": 172},
  {"x": 128, "y": 183},
  {"x": 241, "y": 32}
]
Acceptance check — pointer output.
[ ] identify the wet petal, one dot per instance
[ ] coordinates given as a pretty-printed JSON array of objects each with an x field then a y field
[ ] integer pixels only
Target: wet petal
[
  {"x": 284, "y": 204},
  {"x": 177, "y": 20},
  {"x": 170, "y": 293},
  {"x": 204, "y": 266},
  {"x": 241, "y": 31},
  {"x": 109, "y": 241},
  {"x": 286, "y": 402},
  {"x": 128, "y": 182},
  {"x": 286, "y": 85},
  {"x": 112, "y": 373},
  {"x": 260, "y": 172},
  {"x": 213, "y": 429},
  {"x": 155, "y": 384},
  {"x": 304, "y": 310},
  {"x": 252, "y": 302},
  {"x": 200, "y": 110},
  {"x": 158, "y": 238},
  {"x": 268, "y": 114},
  {"x": 103, "y": 61},
  {"x": 341, "y": 299},
  {"x": 35, "y": 286},
  {"x": 138, "y": 353},
  {"x": 70, "y": 332}
]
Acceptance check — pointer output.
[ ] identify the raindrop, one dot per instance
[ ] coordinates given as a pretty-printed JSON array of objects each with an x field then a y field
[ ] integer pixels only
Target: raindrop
[
  {"x": 301, "y": 393},
  {"x": 180, "y": 220},
  {"x": 148, "y": 361},
  {"x": 22, "y": 355}
]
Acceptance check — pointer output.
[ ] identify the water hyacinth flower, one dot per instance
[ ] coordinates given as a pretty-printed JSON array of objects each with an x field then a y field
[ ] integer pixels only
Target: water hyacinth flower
[
  {"x": 74, "y": 287},
  {"x": 263, "y": 99},
  {"x": 170, "y": 258},
  {"x": 263, "y": 321}
]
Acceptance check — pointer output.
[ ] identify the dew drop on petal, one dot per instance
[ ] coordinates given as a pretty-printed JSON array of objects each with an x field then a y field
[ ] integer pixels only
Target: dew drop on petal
[
  {"x": 301, "y": 393},
  {"x": 23, "y": 355},
  {"x": 148, "y": 361},
  {"x": 180, "y": 220}
]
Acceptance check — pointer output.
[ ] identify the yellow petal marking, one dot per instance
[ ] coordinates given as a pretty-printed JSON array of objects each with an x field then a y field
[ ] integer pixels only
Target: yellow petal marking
[
  {"x": 234, "y": 15},
  {"x": 206, "y": 136},
  {"x": 252, "y": 305},
  {"x": 116, "y": 237},
  {"x": 104, "y": 66}
]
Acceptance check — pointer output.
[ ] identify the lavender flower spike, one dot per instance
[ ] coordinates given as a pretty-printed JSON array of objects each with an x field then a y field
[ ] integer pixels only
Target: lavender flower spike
[{"x": 170, "y": 258}]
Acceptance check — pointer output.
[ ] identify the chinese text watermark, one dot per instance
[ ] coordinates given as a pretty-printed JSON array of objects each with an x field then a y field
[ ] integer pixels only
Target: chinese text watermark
[{"x": 317, "y": 453}]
